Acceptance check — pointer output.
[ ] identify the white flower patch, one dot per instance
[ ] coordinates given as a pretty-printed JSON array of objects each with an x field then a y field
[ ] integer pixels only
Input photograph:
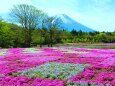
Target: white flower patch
[
  {"x": 76, "y": 52},
  {"x": 32, "y": 50},
  {"x": 68, "y": 50},
  {"x": 3, "y": 52},
  {"x": 1, "y": 75},
  {"x": 53, "y": 70},
  {"x": 60, "y": 49}
]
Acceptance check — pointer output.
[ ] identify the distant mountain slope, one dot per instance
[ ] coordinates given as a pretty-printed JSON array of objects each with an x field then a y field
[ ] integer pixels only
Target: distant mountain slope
[{"x": 70, "y": 24}]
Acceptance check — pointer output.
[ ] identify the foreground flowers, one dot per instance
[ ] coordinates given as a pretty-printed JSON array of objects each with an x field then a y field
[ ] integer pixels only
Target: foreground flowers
[
  {"x": 26, "y": 81},
  {"x": 57, "y": 67}
]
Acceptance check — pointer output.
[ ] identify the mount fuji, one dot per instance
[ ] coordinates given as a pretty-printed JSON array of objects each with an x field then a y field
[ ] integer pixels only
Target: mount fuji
[{"x": 70, "y": 24}]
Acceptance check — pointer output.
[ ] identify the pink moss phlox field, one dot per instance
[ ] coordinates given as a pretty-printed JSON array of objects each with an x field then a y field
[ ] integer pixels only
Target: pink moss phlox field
[
  {"x": 101, "y": 69},
  {"x": 26, "y": 81},
  {"x": 98, "y": 74}
]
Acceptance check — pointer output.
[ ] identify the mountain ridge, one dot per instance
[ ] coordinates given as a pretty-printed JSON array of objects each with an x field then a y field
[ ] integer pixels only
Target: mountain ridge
[{"x": 69, "y": 24}]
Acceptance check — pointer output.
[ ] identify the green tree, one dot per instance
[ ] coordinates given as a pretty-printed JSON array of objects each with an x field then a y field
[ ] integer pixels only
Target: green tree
[
  {"x": 6, "y": 38},
  {"x": 29, "y": 17},
  {"x": 52, "y": 23}
]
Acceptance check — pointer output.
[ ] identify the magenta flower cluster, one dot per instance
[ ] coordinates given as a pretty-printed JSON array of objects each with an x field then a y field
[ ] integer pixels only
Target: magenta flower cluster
[{"x": 26, "y": 81}]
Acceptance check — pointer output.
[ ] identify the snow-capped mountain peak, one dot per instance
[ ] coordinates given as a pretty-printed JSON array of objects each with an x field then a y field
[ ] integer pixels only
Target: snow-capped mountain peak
[{"x": 70, "y": 24}]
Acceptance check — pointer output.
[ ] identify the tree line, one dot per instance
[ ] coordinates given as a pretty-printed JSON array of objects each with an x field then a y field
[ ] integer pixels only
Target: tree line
[{"x": 34, "y": 27}]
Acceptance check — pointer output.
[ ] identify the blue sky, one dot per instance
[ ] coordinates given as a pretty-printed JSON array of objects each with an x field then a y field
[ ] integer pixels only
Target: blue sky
[{"x": 96, "y": 14}]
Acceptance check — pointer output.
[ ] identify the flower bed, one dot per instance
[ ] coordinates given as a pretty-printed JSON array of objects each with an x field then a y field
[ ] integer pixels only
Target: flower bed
[{"x": 57, "y": 67}]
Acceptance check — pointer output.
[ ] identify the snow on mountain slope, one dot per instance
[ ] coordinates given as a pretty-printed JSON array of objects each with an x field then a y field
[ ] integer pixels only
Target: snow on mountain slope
[{"x": 70, "y": 24}]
